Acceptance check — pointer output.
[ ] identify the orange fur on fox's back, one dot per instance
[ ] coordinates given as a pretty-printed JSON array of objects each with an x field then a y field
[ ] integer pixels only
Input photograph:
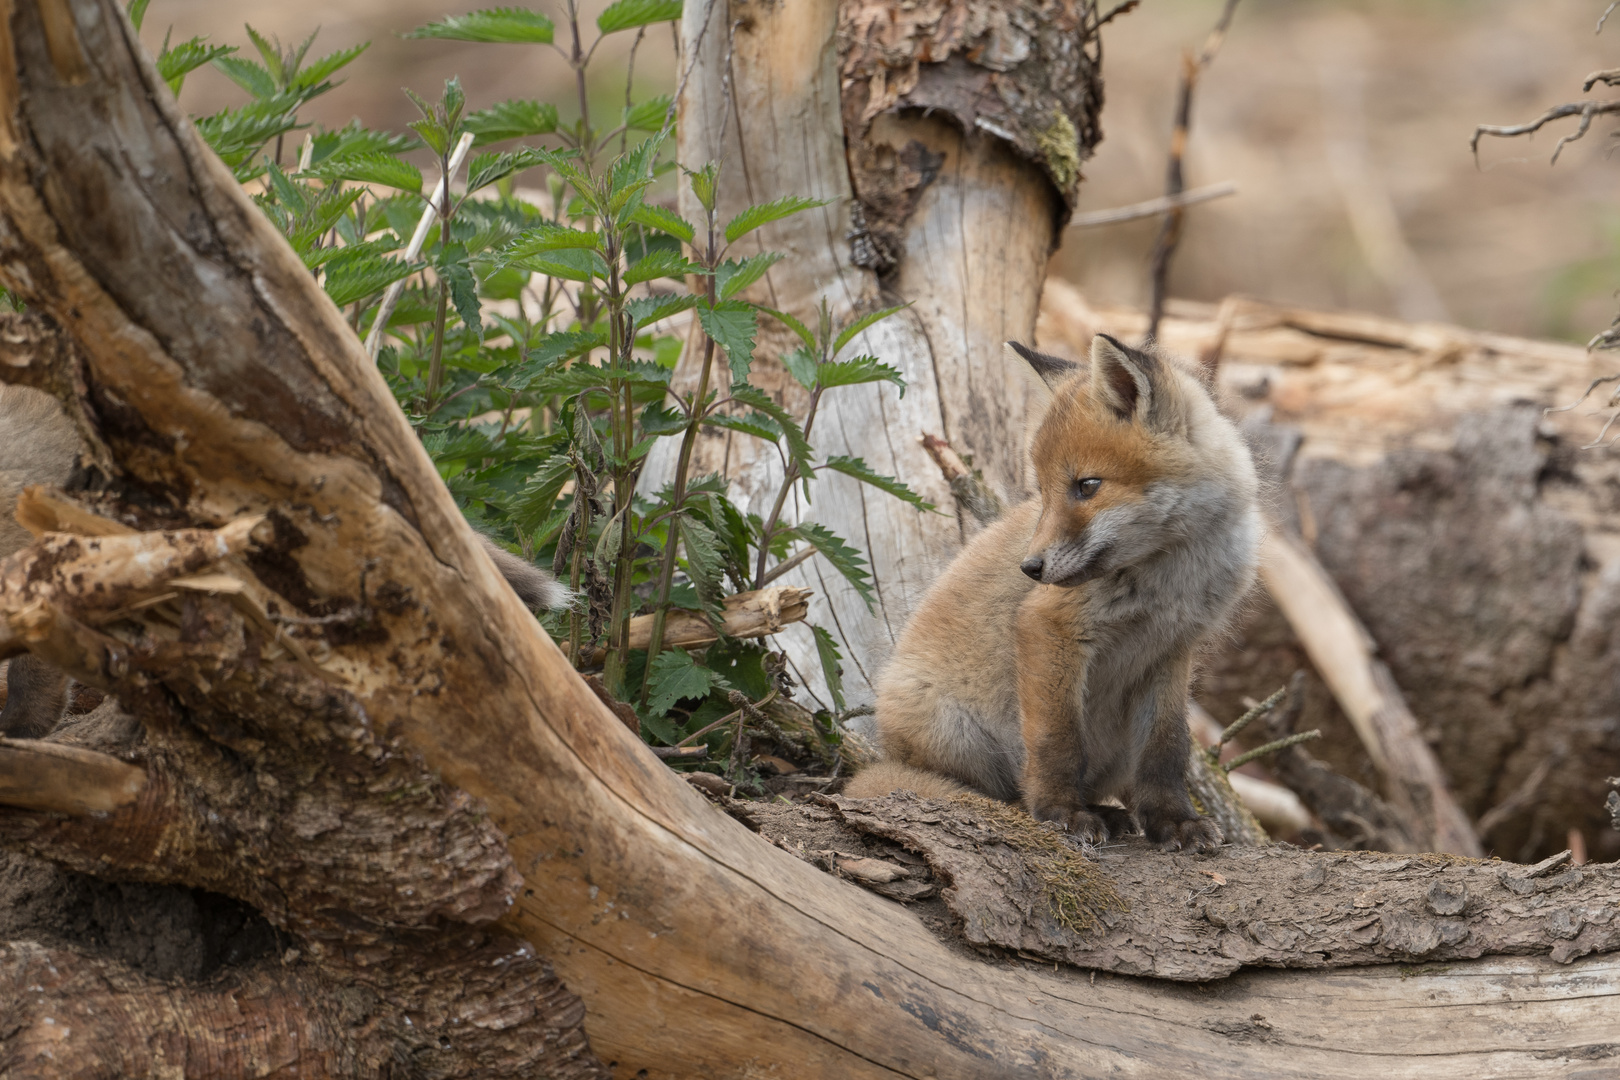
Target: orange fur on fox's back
[{"x": 1050, "y": 661}]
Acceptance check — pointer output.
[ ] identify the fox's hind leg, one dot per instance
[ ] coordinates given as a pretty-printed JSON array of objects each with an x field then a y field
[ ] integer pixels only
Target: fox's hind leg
[{"x": 1159, "y": 794}]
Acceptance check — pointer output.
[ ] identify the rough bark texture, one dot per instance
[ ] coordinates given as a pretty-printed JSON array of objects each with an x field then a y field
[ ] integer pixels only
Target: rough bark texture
[
  {"x": 1473, "y": 536},
  {"x": 1139, "y": 911},
  {"x": 404, "y": 755}
]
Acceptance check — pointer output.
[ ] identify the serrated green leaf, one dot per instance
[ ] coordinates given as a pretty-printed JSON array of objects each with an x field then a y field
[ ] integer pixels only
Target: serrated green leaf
[
  {"x": 860, "y": 470},
  {"x": 237, "y": 134},
  {"x": 734, "y": 276},
  {"x": 703, "y": 181},
  {"x": 656, "y": 217},
  {"x": 758, "y": 425},
  {"x": 629, "y": 14},
  {"x": 282, "y": 64},
  {"x": 562, "y": 345},
  {"x": 732, "y": 324},
  {"x": 860, "y": 369},
  {"x": 572, "y": 380},
  {"x": 796, "y": 326},
  {"x": 765, "y": 213},
  {"x": 355, "y": 278},
  {"x": 657, "y": 420},
  {"x": 371, "y": 167},
  {"x": 505, "y": 25},
  {"x": 327, "y": 66},
  {"x": 453, "y": 271},
  {"x": 659, "y": 264},
  {"x": 570, "y": 265},
  {"x": 704, "y": 563},
  {"x": 137, "y": 12},
  {"x": 319, "y": 257},
  {"x": 674, "y": 676},
  {"x": 648, "y": 115},
  {"x": 798, "y": 447},
  {"x": 548, "y": 237},
  {"x": 847, "y": 334},
  {"x": 352, "y": 140},
  {"x": 488, "y": 168},
  {"x": 801, "y": 364},
  {"x": 646, "y": 310},
  {"x": 515, "y": 119},
  {"x": 252, "y": 77},
  {"x": 174, "y": 64},
  {"x": 847, "y": 560},
  {"x": 831, "y": 668}
]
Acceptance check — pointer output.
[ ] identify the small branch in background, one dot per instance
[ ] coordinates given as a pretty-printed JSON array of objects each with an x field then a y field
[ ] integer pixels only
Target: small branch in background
[
  {"x": 1235, "y": 728},
  {"x": 1350, "y": 814},
  {"x": 1521, "y": 798},
  {"x": 967, "y": 485},
  {"x": 1271, "y": 748},
  {"x": 1128, "y": 6},
  {"x": 1584, "y": 109},
  {"x": 1151, "y": 207},
  {"x": 1605, "y": 16},
  {"x": 1612, "y": 803},
  {"x": 1170, "y": 233}
]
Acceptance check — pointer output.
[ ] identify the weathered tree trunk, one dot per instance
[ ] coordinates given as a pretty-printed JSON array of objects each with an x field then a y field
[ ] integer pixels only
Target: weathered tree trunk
[
  {"x": 347, "y": 726},
  {"x": 948, "y": 137}
]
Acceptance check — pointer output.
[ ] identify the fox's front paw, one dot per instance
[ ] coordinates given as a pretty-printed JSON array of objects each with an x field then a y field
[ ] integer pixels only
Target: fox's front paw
[
  {"x": 1084, "y": 825},
  {"x": 1189, "y": 833}
]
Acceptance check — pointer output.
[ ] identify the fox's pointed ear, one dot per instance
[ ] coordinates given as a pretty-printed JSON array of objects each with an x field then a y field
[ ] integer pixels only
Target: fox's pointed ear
[
  {"x": 1124, "y": 377},
  {"x": 1051, "y": 369}
]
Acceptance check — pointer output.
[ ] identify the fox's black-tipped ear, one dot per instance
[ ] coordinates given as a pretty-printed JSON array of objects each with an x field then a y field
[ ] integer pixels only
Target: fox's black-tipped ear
[
  {"x": 1051, "y": 369},
  {"x": 1124, "y": 377}
]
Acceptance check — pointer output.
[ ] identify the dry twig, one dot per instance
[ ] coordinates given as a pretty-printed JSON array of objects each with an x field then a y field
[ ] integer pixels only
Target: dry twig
[
  {"x": 1584, "y": 109},
  {"x": 1174, "y": 182},
  {"x": 1150, "y": 207}
]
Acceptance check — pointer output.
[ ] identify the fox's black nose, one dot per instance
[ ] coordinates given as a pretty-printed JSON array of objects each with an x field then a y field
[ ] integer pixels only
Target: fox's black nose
[{"x": 1033, "y": 566}]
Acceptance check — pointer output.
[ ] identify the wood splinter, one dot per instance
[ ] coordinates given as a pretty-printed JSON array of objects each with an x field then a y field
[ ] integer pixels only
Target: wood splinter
[{"x": 38, "y": 775}]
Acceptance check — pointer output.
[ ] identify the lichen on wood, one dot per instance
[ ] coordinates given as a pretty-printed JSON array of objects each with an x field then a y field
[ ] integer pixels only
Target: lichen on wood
[{"x": 1026, "y": 74}]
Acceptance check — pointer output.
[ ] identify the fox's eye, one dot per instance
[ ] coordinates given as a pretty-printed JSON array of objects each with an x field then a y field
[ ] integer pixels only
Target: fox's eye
[{"x": 1085, "y": 489}]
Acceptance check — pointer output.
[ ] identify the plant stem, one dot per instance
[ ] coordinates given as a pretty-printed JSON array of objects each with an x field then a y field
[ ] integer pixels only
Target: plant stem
[
  {"x": 788, "y": 480},
  {"x": 666, "y": 573},
  {"x": 624, "y": 474},
  {"x": 576, "y": 59}
]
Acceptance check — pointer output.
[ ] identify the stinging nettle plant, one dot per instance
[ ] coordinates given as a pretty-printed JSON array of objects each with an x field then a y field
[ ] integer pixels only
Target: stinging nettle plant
[{"x": 530, "y": 335}]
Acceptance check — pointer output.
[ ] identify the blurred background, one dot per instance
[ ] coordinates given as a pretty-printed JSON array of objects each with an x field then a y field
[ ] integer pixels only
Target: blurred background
[{"x": 1344, "y": 123}]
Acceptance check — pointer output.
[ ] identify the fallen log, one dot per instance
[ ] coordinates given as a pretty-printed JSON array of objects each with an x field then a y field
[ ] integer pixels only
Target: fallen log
[
  {"x": 1016, "y": 885},
  {"x": 445, "y": 813}
]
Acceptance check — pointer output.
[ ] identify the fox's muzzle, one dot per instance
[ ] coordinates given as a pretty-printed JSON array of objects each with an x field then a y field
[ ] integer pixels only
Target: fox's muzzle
[{"x": 1063, "y": 568}]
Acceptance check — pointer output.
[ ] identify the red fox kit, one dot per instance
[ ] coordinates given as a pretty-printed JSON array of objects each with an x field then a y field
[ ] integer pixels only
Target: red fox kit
[{"x": 1051, "y": 661}]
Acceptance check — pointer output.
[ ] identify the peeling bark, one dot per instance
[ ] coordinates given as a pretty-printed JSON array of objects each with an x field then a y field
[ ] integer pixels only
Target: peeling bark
[{"x": 1196, "y": 918}]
